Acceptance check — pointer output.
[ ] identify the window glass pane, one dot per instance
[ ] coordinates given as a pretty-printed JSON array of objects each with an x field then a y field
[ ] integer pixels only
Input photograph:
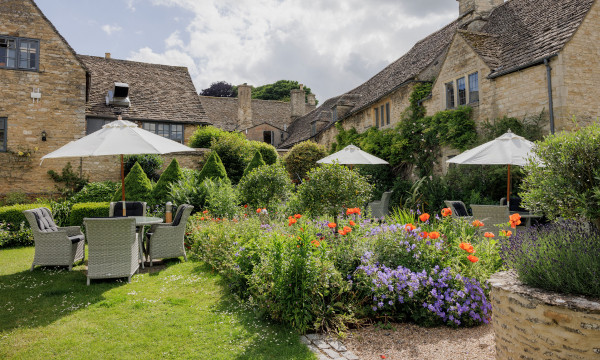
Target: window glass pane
[
  {"x": 28, "y": 54},
  {"x": 387, "y": 113},
  {"x": 474, "y": 87},
  {"x": 449, "y": 95},
  {"x": 382, "y": 112},
  {"x": 462, "y": 91},
  {"x": 8, "y": 53},
  {"x": 3, "y": 134},
  {"x": 149, "y": 127},
  {"x": 94, "y": 125},
  {"x": 377, "y": 117},
  {"x": 177, "y": 133},
  {"x": 162, "y": 130}
]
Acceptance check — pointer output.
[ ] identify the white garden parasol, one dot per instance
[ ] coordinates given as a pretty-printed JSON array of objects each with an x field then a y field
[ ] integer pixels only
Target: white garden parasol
[{"x": 352, "y": 155}]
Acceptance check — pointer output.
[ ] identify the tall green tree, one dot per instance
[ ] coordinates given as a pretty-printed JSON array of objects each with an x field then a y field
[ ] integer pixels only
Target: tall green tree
[{"x": 279, "y": 90}]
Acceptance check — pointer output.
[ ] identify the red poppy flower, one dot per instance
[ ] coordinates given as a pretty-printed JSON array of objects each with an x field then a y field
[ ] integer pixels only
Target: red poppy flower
[
  {"x": 331, "y": 225},
  {"x": 409, "y": 227},
  {"x": 202, "y": 218},
  {"x": 205, "y": 212},
  {"x": 258, "y": 210},
  {"x": 467, "y": 247},
  {"x": 515, "y": 219},
  {"x": 292, "y": 221},
  {"x": 477, "y": 223},
  {"x": 446, "y": 212},
  {"x": 245, "y": 206},
  {"x": 352, "y": 223},
  {"x": 424, "y": 217},
  {"x": 489, "y": 235},
  {"x": 297, "y": 216},
  {"x": 424, "y": 235},
  {"x": 347, "y": 229},
  {"x": 341, "y": 232},
  {"x": 473, "y": 259},
  {"x": 434, "y": 235}
]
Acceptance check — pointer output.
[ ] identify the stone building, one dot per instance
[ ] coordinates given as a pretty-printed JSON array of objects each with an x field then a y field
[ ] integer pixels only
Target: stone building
[
  {"x": 515, "y": 58},
  {"x": 51, "y": 96},
  {"x": 259, "y": 120}
]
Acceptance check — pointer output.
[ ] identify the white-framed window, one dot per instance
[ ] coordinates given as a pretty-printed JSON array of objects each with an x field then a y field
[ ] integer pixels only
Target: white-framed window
[
  {"x": 19, "y": 53},
  {"x": 3, "y": 135},
  {"x": 473, "y": 88}
]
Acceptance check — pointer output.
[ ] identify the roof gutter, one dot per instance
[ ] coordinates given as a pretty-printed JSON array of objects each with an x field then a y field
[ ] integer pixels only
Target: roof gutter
[
  {"x": 522, "y": 67},
  {"x": 550, "y": 102}
]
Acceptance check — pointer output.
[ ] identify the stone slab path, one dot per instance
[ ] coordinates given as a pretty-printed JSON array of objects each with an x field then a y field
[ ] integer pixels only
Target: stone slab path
[{"x": 327, "y": 348}]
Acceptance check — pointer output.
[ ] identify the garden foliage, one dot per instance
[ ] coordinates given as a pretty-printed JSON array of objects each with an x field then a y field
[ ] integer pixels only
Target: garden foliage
[
  {"x": 137, "y": 186},
  {"x": 213, "y": 168},
  {"x": 205, "y": 135},
  {"x": 95, "y": 192},
  {"x": 15, "y": 236},
  {"x": 221, "y": 198},
  {"x": 68, "y": 182},
  {"x": 265, "y": 186},
  {"x": 256, "y": 162},
  {"x": 234, "y": 152},
  {"x": 302, "y": 157},
  {"x": 83, "y": 210},
  {"x": 172, "y": 174},
  {"x": 150, "y": 163},
  {"x": 13, "y": 215},
  {"x": 267, "y": 151}
]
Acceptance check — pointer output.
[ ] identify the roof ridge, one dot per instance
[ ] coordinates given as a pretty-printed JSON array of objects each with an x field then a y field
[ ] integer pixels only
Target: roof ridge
[{"x": 135, "y": 62}]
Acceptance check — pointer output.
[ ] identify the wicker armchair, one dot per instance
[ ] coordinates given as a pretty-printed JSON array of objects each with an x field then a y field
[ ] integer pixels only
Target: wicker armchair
[
  {"x": 166, "y": 240},
  {"x": 113, "y": 248},
  {"x": 491, "y": 215},
  {"x": 459, "y": 210},
  {"x": 54, "y": 246},
  {"x": 132, "y": 208},
  {"x": 380, "y": 208}
]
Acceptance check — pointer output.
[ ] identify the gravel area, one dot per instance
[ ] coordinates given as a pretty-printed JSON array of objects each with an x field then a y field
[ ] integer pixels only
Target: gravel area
[{"x": 409, "y": 341}]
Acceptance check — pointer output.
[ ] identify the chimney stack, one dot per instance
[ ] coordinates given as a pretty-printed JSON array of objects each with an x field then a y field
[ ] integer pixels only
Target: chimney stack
[
  {"x": 244, "y": 106},
  {"x": 479, "y": 7},
  {"x": 297, "y": 102},
  {"x": 107, "y": 56}
]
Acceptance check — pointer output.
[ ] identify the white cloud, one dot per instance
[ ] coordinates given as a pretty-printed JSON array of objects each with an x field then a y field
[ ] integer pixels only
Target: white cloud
[
  {"x": 110, "y": 29},
  {"x": 329, "y": 46}
]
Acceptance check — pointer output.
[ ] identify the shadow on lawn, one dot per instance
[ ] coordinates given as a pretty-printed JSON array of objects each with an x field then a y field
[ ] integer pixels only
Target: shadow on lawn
[
  {"x": 30, "y": 299},
  {"x": 268, "y": 340}
]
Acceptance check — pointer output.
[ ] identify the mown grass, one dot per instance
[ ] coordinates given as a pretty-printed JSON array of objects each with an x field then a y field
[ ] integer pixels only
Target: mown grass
[{"x": 180, "y": 311}]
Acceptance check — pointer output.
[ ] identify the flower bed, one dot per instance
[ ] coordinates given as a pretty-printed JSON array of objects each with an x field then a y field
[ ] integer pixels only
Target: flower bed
[{"x": 315, "y": 274}]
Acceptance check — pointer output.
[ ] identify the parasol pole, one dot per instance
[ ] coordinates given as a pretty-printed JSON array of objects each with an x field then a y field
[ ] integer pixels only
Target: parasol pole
[
  {"x": 508, "y": 189},
  {"x": 123, "y": 184}
]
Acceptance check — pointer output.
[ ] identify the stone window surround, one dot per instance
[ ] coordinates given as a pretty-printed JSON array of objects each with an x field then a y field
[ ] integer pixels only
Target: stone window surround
[
  {"x": 3, "y": 133},
  {"x": 143, "y": 123},
  {"x": 18, "y": 53},
  {"x": 452, "y": 83},
  {"x": 381, "y": 115}
]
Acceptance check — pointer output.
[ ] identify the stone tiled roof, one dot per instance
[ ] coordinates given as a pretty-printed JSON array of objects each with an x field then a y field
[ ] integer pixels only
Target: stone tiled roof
[
  {"x": 156, "y": 92},
  {"x": 299, "y": 129},
  {"x": 527, "y": 31},
  {"x": 223, "y": 112},
  {"x": 486, "y": 45}
]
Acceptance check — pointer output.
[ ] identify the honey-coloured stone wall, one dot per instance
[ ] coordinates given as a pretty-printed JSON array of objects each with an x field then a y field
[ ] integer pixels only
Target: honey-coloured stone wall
[{"x": 534, "y": 324}]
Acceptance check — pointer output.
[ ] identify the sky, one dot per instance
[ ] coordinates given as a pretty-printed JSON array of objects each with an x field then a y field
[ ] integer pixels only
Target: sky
[{"x": 330, "y": 46}]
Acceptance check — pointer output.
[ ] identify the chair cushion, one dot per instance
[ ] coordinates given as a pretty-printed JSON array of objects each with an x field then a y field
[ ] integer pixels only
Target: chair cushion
[
  {"x": 132, "y": 208},
  {"x": 44, "y": 220},
  {"x": 460, "y": 209},
  {"x": 77, "y": 238},
  {"x": 178, "y": 216}
]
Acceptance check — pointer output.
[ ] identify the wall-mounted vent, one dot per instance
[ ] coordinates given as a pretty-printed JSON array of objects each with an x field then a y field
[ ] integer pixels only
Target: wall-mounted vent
[{"x": 119, "y": 96}]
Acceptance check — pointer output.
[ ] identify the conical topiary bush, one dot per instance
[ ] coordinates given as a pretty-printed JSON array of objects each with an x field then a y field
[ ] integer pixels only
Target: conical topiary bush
[
  {"x": 137, "y": 186},
  {"x": 172, "y": 174},
  {"x": 213, "y": 168},
  {"x": 257, "y": 161}
]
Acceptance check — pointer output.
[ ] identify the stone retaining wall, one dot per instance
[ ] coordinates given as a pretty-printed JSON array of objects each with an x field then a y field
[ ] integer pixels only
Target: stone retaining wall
[{"x": 534, "y": 324}]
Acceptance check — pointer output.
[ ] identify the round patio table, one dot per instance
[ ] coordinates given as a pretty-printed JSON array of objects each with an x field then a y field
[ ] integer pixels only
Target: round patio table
[{"x": 142, "y": 221}]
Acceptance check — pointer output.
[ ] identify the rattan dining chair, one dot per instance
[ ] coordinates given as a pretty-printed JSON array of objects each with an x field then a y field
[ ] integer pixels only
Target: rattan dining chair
[
  {"x": 54, "y": 246},
  {"x": 492, "y": 215},
  {"x": 132, "y": 208},
  {"x": 166, "y": 240},
  {"x": 113, "y": 248}
]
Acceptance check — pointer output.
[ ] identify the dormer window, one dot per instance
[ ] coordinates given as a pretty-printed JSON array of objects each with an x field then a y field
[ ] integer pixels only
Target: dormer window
[{"x": 19, "y": 53}]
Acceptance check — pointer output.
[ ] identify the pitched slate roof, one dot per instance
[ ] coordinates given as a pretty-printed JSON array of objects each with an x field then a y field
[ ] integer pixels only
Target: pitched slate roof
[
  {"x": 223, "y": 112},
  {"x": 156, "y": 92},
  {"x": 521, "y": 33},
  {"x": 300, "y": 129}
]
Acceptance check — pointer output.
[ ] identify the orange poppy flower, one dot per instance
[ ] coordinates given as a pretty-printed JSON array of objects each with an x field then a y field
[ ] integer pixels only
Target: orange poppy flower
[
  {"x": 446, "y": 212},
  {"x": 434, "y": 235},
  {"x": 424, "y": 217},
  {"x": 473, "y": 259},
  {"x": 297, "y": 216},
  {"x": 316, "y": 243},
  {"x": 258, "y": 210},
  {"x": 477, "y": 223},
  {"x": 488, "y": 235},
  {"x": 352, "y": 223},
  {"x": 424, "y": 234},
  {"x": 409, "y": 227},
  {"x": 467, "y": 247},
  {"x": 515, "y": 219},
  {"x": 205, "y": 212},
  {"x": 349, "y": 211},
  {"x": 202, "y": 218},
  {"x": 505, "y": 233},
  {"x": 341, "y": 232},
  {"x": 331, "y": 225},
  {"x": 292, "y": 221},
  {"x": 347, "y": 229}
]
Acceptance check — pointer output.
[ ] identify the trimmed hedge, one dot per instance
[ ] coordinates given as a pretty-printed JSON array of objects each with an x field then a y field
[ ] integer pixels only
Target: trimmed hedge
[
  {"x": 171, "y": 175},
  {"x": 83, "y": 210},
  {"x": 256, "y": 162},
  {"x": 137, "y": 186},
  {"x": 213, "y": 168},
  {"x": 13, "y": 215}
]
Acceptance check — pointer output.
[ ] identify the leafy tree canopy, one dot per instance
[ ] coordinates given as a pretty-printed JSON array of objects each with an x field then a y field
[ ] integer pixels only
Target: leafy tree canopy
[
  {"x": 279, "y": 90},
  {"x": 220, "y": 89}
]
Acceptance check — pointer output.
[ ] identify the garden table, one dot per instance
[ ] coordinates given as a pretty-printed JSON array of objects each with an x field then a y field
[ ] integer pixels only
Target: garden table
[{"x": 142, "y": 221}]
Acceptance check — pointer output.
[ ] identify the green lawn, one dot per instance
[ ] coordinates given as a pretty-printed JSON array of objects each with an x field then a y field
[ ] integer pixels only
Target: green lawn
[{"x": 180, "y": 311}]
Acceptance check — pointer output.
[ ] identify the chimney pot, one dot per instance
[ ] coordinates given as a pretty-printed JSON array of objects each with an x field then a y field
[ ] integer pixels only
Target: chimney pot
[{"x": 107, "y": 55}]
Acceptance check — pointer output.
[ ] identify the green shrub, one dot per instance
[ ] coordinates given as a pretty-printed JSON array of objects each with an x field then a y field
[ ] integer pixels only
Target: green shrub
[
  {"x": 188, "y": 191},
  {"x": 257, "y": 161},
  {"x": 172, "y": 174},
  {"x": 13, "y": 237},
  {"x": 331, "y": 189},
  {"x": 234, "y": 153},
  {"x": 561, "y": 257},
  {"x": 213, "y": 168},
  {"x": 137, "y": 186},
  {"x": 221, "y": 198},
  {"x": 15, "y": 197},
  {"x": 568, "y": 185},
  {"x": 13, "y": 215},
  {"x": 303, "y": 157},
  {"x": 267, "y": 151},
  {"x": 150, "y": 163},
  {"x": 265, "y": 186},
  {"x": 91, "y": 209},
  {"x": 95, "y": 192},
  {"x": 205, "y": 135},
  {"x": 61, "y": 211},
  {"x": 72, "y": 182}
]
